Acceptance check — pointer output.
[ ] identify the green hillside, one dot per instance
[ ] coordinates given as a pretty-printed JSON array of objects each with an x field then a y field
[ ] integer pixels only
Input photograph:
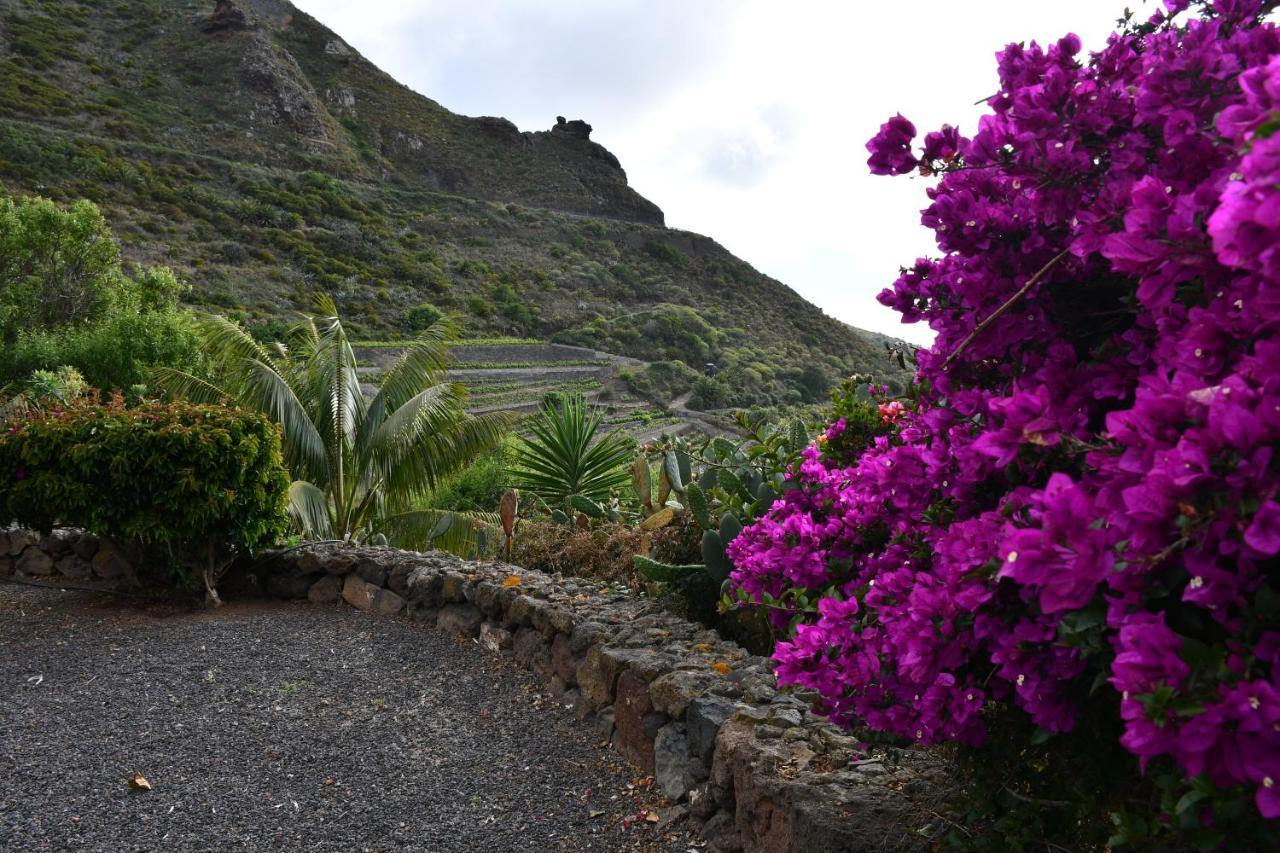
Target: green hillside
[{"x": 261, "y": 157}]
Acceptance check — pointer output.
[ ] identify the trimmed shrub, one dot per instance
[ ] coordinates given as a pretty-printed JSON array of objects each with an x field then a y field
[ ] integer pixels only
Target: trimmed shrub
[{"x": 194, "y": 486}]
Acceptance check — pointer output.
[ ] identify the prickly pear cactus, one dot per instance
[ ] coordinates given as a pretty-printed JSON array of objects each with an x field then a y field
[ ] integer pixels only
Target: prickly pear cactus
[
  {"x": 588, "y": 507},
  {"x": 713, "y": 556},
  {"x": 661, "y": 518},
  {"x": 698, "y": 505},
  {"x": 671, "y": 468},
  {"x": 642, "y": 482}
]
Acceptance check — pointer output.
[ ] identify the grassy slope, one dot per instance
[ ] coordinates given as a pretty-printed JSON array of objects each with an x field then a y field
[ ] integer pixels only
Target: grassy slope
[{"x": 265, "y": 164}]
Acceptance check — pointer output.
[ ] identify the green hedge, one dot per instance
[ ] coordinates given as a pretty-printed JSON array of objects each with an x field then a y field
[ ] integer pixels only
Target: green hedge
[{"x": 193, "y": 485}]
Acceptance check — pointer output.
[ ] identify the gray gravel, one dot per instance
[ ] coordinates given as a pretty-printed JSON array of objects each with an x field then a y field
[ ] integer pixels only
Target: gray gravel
[{"x": 270, "y": 726}]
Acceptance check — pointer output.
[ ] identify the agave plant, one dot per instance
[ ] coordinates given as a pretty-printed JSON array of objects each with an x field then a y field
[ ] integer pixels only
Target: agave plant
[
  {"x": 358, "y": 462},
  {"x": 565, "y": 456}
]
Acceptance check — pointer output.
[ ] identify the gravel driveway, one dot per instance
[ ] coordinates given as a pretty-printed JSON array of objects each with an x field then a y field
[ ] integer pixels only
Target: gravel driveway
[{"x": 270, "y": 726}]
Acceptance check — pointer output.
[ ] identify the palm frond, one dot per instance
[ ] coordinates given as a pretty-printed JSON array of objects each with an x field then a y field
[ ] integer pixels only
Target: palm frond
[
  {"x": 185, "y": 386},
  {"x": 326, "y": 307},
  {"x": 448, "y": 530},
  {"x": 422, "y": 363},
  {"x": 433, "y": 409},
  {"x": 226, "y": 342},
  {"x": 264, "y": 389},
  {"x": 439, "y": 452},
  {"x": 333, "y": 379},
  {"x": 309, "y": 510},
  {"x": 305, "y": 335}
]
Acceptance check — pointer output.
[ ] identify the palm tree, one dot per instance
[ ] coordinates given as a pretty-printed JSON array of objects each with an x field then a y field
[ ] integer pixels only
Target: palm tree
[
  {"x": 565, "y": 456},
  {"x": 358, "y": 463}
]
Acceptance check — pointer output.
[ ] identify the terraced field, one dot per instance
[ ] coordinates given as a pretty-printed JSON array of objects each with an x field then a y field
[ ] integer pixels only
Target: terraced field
[{"x": 516, "y": 375}]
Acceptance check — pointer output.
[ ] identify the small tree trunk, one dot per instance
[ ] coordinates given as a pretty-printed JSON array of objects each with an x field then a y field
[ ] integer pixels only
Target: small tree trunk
[
  {"x": 211, "y": 599},
  {"x": 210, "y": 578}
]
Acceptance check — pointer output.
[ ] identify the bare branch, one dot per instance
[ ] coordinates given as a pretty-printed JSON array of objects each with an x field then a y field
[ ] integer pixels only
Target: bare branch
[{"x": 1009, "y": 303}]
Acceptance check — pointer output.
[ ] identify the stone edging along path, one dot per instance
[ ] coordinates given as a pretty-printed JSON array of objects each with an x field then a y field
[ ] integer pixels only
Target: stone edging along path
[{"x": 752, "y": 765}]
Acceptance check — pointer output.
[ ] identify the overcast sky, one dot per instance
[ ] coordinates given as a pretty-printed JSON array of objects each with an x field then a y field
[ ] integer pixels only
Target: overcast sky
[{"x": 743, "y": 120}]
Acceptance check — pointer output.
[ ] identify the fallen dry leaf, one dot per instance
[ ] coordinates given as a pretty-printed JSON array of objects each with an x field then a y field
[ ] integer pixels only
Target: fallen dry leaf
[
  {"x": 138, "y": 782},
  {"x": 651, "y": 816},
  {"x": 661, "y": 518},
  {"x": 510, "y": 581}
]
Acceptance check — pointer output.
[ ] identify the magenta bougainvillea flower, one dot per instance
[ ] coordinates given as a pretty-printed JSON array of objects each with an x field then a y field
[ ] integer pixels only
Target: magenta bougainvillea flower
[
  {"x": 891, "y": 148},
  {"x": 1102, "y": 458}
]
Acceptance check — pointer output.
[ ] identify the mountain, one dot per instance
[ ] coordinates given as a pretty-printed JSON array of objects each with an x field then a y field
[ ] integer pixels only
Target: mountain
[{"x": 263, "y": 158}]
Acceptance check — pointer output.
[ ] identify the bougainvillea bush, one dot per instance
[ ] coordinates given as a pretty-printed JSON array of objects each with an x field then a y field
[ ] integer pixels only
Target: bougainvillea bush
[{"x": 1073, "y": 535}]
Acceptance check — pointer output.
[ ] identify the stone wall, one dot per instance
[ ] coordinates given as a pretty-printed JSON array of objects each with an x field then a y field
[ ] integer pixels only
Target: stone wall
[
  {"x": 750, "y": 765},
  {"x": 68, "y": 555}
]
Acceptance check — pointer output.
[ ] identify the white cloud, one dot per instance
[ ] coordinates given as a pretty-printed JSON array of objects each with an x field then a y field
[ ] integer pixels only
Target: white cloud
[{"x": 745, "y": 120}]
